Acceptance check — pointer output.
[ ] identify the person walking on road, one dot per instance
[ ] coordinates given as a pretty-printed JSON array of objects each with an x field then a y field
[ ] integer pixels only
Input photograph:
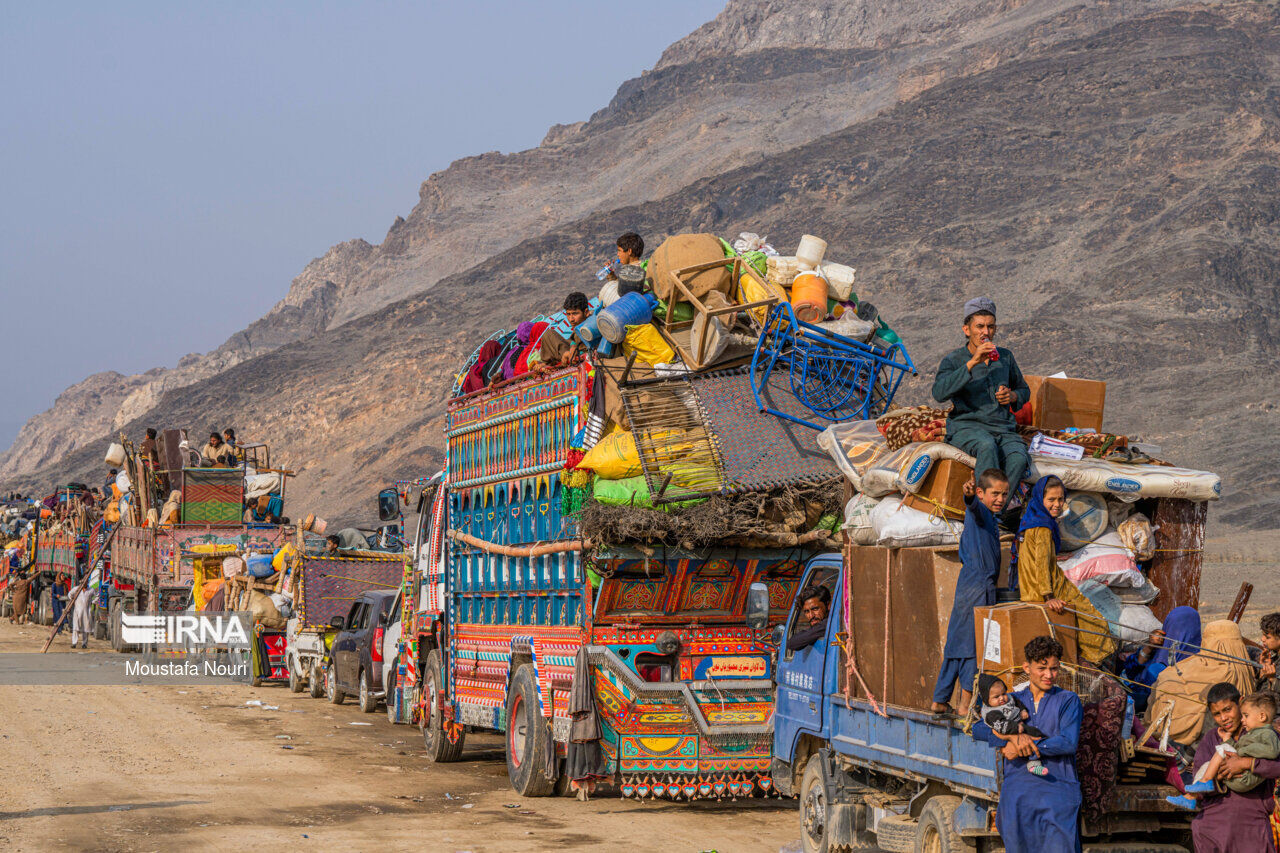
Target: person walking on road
[{"x": 80, "y": 624}]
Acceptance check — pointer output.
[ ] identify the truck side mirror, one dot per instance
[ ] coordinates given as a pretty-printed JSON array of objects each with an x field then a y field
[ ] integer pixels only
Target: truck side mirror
[
  {"x": 757, "y": 606},
  {"x": 336, "y": 623},
  {"x": 388, "y": 505}
]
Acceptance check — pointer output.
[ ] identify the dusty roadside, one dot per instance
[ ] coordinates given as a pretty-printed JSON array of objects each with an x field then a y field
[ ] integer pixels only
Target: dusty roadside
[{"x": 195, "y": 768}]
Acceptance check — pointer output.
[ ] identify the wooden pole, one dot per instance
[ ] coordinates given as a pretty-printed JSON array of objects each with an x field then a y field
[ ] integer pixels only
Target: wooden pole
[{"x": 1241, "y": 602}]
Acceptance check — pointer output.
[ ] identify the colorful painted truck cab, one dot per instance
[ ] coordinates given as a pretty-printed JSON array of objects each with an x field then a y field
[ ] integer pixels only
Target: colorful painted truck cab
[{"x": 682, "y": 683}]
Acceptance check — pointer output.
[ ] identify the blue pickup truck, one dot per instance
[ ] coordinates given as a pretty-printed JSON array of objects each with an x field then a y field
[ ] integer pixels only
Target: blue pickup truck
[{"x": 904, "y": 780}]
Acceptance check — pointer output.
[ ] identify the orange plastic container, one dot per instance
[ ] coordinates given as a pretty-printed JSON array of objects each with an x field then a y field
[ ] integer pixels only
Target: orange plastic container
[{"x": 809, "y": 297}]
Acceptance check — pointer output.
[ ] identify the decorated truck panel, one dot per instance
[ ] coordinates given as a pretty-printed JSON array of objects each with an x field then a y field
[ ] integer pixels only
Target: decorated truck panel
[{"x": 682, "y": 686}]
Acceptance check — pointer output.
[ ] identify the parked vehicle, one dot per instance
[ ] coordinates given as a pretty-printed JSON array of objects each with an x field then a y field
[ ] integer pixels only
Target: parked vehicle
[
  {"x": 323, "y": 586},
  {"x": 678, "y": 646},
  {"x": 871, "y": 774},
  {"x": 355, "y": 659}
]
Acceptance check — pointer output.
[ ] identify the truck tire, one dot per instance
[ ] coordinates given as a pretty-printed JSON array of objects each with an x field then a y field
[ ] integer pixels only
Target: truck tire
[
  {"x": 936, "y": 832},
  {"x": 528, "y": 737},
  {"x": 315, "y": 681},
  {"x": 368, "y": 702},
  {"x": 99, "y": 623},
  {"x": 44, "y": 610},
  {"x": 331, "y": 690},
  {"x": 896, "y": 833},
  {"x": 6, "y": 605},
  {"x": 815, "y": 828},
  {"x": 296, "y": 683},
  {"x": 113, "y": 624},
  {"x": 439, "y": 748},
  {"x": 125, "y": 607}
]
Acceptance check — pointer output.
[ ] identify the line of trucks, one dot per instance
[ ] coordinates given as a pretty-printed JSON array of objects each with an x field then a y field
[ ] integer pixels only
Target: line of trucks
[{"x": 696, "y": 693}]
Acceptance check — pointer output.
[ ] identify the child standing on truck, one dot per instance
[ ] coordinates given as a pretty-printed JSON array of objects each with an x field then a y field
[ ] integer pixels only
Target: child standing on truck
[
  {"x": 1006, "y": 716},
  {"x": 975, "y": 587},
  {"x": 1041, "y": 813},
  {"x": 1269, "y": 654},
  {"x": 1259, "y": 740}
]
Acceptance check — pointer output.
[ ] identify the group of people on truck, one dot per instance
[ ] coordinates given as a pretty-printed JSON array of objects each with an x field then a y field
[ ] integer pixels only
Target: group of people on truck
[{"x": 1180, "y": 675}]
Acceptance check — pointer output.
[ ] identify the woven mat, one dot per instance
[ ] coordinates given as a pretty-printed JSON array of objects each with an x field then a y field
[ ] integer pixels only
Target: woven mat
[{"x": 757, "y": 449}]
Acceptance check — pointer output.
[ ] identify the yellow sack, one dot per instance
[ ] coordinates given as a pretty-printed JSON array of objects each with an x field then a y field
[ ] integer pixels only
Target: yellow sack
[
  {"x": 614, "y": 457},
  {"x": 648, "y": 345},
  {"x": 112, "y": 513},
  {"x": 283, "y": 556}
]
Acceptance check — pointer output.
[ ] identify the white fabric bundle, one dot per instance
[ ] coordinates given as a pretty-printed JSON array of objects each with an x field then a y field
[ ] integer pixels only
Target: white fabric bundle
[{"x": 899, "y": 526}]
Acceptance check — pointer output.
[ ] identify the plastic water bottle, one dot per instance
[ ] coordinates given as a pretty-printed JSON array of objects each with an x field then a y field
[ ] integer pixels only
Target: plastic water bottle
[{"x": 607, "y": 270}]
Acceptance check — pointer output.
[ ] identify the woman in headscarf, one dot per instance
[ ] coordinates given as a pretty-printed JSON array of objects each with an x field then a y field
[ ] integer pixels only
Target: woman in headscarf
[
  {"x": 1037, "y": 577},
  {"x": 1179, "y": 690},
  {"x": 522, "y": 340},
  {"x": 1178, "y": 637},
  {"x": 524, "y": 359},
  {"x": 474, "y": 380}
]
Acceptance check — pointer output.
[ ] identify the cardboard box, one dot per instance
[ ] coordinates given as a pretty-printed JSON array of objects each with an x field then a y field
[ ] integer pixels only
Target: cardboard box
[
  {"x": 942, "y": 489},
  {"x": 1001, "y": 632},
  {"x": 1065, "y": 403},
  {"x": 921, "y": 589}
]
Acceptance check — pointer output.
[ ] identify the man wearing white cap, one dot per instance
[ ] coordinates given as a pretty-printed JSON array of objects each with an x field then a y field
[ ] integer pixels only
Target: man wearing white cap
[{"x": 985, "y": 388}]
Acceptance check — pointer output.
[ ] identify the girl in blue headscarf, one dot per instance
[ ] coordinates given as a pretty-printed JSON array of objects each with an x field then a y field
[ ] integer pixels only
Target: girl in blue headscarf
[
  {"x": 1178, "y": 637},
  {"x": 1035, "y": 573}
]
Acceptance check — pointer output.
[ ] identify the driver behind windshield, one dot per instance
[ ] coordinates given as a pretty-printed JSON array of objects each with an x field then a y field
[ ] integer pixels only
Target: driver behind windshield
[{"x": 815, "y": 602}]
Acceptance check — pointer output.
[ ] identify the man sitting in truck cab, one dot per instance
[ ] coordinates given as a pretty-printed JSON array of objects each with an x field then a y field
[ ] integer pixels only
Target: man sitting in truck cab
[{"x": 815, "y": 602}]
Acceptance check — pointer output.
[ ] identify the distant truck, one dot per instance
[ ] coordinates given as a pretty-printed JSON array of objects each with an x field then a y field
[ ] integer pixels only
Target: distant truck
[
  {"x": 883, "y": 776},
  {"x": 679, "y": 645}
]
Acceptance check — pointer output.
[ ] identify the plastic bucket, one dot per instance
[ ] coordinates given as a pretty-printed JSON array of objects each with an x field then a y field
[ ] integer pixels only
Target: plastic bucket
[
  {"x": 633, "y": 309},
  {"x": 115, "y": 456},
  {"x": 811, "y": 251},
  {"x": 588, "y": 330},
  {"x": 809, "y": 297}
]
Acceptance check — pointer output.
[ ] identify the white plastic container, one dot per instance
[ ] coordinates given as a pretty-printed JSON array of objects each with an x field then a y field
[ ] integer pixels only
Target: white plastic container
[
  {"x": 811, "y": 251},
  {"x": 115, "y": 455}
]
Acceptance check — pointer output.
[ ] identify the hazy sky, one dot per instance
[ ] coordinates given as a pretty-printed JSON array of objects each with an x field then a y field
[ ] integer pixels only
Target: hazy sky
[{"x": 168, "y": 167}]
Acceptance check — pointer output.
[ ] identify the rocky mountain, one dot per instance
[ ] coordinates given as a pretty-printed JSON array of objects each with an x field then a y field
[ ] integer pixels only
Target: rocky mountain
[
  {"x": 1115, "y": 193},
  {"x": 760, "y": 79}
]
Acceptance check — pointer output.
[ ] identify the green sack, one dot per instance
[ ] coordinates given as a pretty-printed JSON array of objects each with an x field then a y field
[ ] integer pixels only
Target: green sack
[{"x": 634, "y": 491}]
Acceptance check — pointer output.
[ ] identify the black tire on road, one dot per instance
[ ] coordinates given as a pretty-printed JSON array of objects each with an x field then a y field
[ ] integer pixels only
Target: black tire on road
[
  {"x": 439, "y": 749},
  {"x": 296, "y": 684},
  {"x": 815, "y": 826},
  {"x": 528, "y": 737},
  {"x": 315, "y": 681},
  {"x": 390, "y": 698},
  {"x": 99, "y": 623},
  {"x": 113, "y": 624},
  {"x": 331, "y": 690},
  {"x": 367, "y": 701},
  {"x": 44, "y": 610},
  {"x": 936, "y": 832}
]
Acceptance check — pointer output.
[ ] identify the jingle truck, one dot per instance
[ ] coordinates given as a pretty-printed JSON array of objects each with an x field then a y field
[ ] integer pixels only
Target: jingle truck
[
  {"x": 152, "y": 567},
  {"x": 678, "y": 645}
]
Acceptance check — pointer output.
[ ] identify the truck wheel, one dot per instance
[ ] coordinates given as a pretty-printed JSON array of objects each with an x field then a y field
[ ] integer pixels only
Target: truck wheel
[
  {"x": 295, "y": 678},
  {"x": 331, "y": 690},
  {"x": 315, "y": 682},
  {"x": 431, "y": 721},
  {"x": 896, "y": 833},
  {"x": 936, "y": 832},
  {"x": 99, "y": 624},
  {"x": 113, "y": 624},
  {"x": 368, "y": 702},
  {"x": 44, "y": 611},
  {"x": 815, "y": 829},
  {"x": 6, "y": 605},
  {"x": 528, "y": 738}
]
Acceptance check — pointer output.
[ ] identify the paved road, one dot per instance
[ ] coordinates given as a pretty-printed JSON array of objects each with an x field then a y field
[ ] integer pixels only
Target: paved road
[{"x": 195, "y": 768}]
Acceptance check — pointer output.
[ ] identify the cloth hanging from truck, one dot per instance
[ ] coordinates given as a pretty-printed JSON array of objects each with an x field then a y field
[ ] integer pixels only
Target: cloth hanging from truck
[{"x": 584, "y": 761}]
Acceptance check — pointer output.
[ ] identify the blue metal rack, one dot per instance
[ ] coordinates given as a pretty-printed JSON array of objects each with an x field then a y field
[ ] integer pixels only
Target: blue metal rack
[{"x": 833, "y": 377}]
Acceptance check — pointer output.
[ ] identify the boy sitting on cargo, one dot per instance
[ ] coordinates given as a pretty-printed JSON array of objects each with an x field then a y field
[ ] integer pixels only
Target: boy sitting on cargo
[
  {"x": 985, "y": 387},
  {"x": 557, "y": 345},
  {"x": 975, "y": 587},
  {"x": 815, "y": 603},
  {"x": 1259, "y": 740},
  {"x": 1040, "y": 813}
]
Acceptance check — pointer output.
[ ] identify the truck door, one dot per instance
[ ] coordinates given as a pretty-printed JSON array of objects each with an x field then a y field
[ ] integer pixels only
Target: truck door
[{"x": 802, "y": 674}]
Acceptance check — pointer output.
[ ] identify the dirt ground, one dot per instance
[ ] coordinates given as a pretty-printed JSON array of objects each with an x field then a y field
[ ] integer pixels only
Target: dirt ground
[{"x": 195, "y": 768}]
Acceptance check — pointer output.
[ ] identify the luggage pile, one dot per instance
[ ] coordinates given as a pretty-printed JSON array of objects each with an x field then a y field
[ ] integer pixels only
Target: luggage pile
[
  {"x": 713, "y": 369},
  {"x": 908, "y": 487}
]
